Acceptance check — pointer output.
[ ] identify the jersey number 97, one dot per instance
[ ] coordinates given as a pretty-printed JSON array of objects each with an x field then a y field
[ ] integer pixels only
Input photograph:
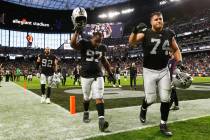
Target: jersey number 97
[{"x": 93, "y": 55}]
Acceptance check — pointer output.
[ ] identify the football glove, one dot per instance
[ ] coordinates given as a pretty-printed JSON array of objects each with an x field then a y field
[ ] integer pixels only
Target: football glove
[
  {"x": 139, "y": 28},
  {"x": 78, "y": 29}
]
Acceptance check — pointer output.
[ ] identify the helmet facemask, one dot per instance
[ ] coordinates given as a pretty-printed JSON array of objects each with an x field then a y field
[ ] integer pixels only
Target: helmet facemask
[
  {"x": 182, "y": 80},
  {"x": 79, "y": 18},
  {"x": 80, "y": 21}
]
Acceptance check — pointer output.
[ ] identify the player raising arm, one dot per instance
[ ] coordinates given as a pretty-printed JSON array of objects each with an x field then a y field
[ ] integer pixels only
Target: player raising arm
[
  {"x": 156, "y": 43},
  {"x": 93, "y": 57}
]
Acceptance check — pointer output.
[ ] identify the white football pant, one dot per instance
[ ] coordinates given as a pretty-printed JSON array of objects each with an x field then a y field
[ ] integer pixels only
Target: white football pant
[
  {"x": 92, "y": 88},
  {"x": 46, "y": 80},
  {"x": 154, "y": 79}
]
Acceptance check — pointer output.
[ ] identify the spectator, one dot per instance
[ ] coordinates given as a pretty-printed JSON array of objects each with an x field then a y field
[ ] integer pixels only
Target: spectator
[{"x": 133, "y": 75}]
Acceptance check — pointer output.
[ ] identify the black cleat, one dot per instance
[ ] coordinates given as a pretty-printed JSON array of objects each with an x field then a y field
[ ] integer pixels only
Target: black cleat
[
  {"x": 164, "y": 130},
  {"x": 86, "y": 117},
  {"x": 175, "y": 108},
  {"x": 142, "y": 115},
  {"x": 102, "y": 124}
]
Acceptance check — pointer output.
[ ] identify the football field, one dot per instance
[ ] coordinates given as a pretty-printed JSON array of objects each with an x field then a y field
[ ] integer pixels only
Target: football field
[
  {"x": 199, "y": 90},
  {"x": 196, "y": 128}
]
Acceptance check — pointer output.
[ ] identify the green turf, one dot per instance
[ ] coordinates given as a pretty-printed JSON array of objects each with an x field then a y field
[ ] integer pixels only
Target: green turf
[
  {"x": 195, "y": 129},
  {"x": 69, "y": 84},
  {"x": 36, "y": 85},
  {"x": 201, "y": 80}
]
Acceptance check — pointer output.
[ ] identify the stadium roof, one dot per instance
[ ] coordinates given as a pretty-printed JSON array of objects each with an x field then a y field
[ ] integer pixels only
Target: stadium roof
[{"x": 65, "y": 4}]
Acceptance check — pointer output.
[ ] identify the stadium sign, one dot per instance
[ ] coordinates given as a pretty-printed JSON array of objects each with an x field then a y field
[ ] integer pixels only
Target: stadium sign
[{"x": 25, "y": 22}]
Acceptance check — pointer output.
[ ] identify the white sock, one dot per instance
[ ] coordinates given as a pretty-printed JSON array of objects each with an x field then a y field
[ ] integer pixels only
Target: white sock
[
  {"x": 163, "y": 122},
  {"x": 143, "y": 108},
  {"x": 101, "y": 117}
]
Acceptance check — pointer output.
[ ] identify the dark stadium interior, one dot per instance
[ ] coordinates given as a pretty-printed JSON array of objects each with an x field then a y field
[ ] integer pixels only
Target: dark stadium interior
[{"x": 190, "y": 23}]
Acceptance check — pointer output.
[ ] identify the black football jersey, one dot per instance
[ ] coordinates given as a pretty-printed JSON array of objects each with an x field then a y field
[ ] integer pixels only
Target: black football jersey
[
  {"x": 156, "y": 46},
  {"x": 91, "y": 66},
  {"x": 47, "y": 64}
]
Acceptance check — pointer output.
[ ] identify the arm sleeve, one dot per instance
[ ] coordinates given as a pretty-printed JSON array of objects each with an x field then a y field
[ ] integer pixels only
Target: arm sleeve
[{"x": 172, "y": 34}]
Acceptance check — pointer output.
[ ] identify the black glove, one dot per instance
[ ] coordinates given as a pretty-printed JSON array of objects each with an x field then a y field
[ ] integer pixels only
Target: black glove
[
  {"x": 180, "y": 66},
  {"x": 111, "y": 77},
  {"x": 78, "y": 29},
  {"x": 139, "y": 28}
]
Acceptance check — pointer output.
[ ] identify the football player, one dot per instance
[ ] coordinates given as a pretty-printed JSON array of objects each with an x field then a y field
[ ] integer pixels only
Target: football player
[
  {"x": 64, "y": 74},
  {"x": 25, "y": 74},
  {"x": 48, "y": 64},
  {"x": 30, "y": 75},
  {"x": 93, "y": 56},
  {"x": 156, "y": 43},
  {"x": 125, "y": 73}
]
